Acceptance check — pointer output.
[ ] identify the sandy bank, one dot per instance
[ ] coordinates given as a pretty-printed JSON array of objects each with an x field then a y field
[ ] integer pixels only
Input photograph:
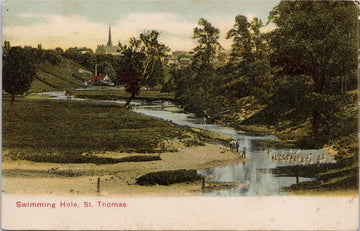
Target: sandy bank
[{"x": 25, "y": 177}]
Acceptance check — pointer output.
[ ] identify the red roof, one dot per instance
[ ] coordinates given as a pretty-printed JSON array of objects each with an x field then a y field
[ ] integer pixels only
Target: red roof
[{"x": 98, "y": 78}]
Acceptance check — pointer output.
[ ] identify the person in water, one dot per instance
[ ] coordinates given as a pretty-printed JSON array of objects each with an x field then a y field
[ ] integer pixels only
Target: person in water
[{"x": 244, "y": 152}]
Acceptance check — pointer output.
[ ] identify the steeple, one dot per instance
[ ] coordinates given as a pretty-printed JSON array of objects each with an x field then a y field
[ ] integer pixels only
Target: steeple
[{"x": 109, "y": 43}]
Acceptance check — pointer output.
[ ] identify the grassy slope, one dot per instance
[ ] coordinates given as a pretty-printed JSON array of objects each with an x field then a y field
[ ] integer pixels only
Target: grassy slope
[
  {"x": 44, "y": 128},
  {"x": 294, "y": 130},
  {"x": 62, "y": 77}
]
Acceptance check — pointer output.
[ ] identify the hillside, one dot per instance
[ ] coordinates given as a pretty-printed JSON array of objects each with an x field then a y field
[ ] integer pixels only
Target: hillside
[{"x": 64, "y": 76}]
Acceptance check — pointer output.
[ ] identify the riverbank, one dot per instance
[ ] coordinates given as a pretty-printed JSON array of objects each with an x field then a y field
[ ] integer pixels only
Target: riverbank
[
  {"x": 63, "y": 147},
  {"x": 121, "y": 94},
  {"x": 27, "y": 177}
]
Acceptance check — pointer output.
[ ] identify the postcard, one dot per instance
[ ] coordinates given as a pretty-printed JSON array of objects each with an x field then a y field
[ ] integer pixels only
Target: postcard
[{"x": 180, "y": 115}]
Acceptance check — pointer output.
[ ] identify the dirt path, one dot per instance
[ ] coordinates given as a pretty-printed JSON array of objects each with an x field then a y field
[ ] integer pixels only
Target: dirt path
[{"x": 25, "y": 177}]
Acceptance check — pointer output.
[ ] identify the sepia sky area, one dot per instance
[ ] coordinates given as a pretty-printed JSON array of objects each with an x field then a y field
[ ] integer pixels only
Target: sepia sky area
[{"x": 70, "y": 23}]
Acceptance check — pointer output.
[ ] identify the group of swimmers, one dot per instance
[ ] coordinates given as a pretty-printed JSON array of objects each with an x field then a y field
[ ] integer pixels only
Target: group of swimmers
[{"x": 297, "y": 157}]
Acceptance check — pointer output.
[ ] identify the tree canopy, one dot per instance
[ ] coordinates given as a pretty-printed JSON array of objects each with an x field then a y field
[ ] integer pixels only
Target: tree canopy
[
  {"x": 18, "y": 71},
  {"x": 316, "y": 39}
]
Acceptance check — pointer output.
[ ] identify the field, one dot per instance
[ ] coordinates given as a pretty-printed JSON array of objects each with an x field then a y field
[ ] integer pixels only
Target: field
[
  {"x": 62, "y": 147},
  {"x": 62, "y": 130},
  {"x": 64, "y": 76},
  {"x": 120, "y": 93}
]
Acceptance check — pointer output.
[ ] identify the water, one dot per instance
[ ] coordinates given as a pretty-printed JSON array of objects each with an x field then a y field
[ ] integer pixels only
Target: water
[
  {"x": 61, "y": 95},
  {"x": 254, "y": 175}
]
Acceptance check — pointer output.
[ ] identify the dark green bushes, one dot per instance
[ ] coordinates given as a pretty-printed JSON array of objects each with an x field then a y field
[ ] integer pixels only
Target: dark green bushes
[{"x": 168, "y": 177}]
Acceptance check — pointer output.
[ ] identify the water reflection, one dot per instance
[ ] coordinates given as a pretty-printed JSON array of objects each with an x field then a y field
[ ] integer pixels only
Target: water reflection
[{"x": 255, "y": 174}]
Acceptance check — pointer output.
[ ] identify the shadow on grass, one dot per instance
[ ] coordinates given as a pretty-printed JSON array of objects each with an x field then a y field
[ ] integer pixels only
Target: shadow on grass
[{"x": 75, "y": 158}]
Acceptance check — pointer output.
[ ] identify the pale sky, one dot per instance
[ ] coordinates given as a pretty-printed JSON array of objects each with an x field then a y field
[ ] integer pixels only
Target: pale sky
[{"x": 70, "y": 23}]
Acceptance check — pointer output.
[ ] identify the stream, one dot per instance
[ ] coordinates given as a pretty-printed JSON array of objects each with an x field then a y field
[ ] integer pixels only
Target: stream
[{"x": 254, "y": 174}]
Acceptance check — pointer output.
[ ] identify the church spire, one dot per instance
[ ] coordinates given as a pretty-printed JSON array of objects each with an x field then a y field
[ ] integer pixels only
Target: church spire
[{"x": 109, "y": 43}]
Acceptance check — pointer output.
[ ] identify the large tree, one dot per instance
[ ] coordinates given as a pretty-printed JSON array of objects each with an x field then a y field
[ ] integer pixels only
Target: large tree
[
  {"x": 197, "y": 86},
  {"x": 208, "y": 45},
  {"x": 141, "y": 64},
  {"x": 316, "y": 39},
  {"x": 18, "y": 71},
  {"x": 249, "y": 69}
]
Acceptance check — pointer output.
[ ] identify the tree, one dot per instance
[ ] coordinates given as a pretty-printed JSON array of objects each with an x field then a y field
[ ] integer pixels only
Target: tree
[
  {"x": 59, "y": 51},
  {"x": 73, "y": 54},
  {"x": 240, "y": 33},
  {"x": 249, "y": 64},
  {"x": 141, "y": 63},
  {"x": 197, "y": 86},
  {"x": 106, "y": 69},
  {"x": 88, "y": 60},
  {"x": 317, "y": 39},
  {"x": 208, "y": 45},
  {"x": 18, "y": 71},
  {"x": 52, "y": 57}
]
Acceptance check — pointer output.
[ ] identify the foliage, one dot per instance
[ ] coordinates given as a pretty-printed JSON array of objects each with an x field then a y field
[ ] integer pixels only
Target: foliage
[
  {"x": 208, "y": 46},
  {"x": 198, "y": 86},
  {"x": 141, "y": 64},
  {"x": 249, "y": 68},
  {"x": 18, "y": 71},
  {"x": 106, "y": 69},
  {"x": 52, "y": 56},
  {"x": 318, "y": 40},
  {"x": 168, "y": 177}
]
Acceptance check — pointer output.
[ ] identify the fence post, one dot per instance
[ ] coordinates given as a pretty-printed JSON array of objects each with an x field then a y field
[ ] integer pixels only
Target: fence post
[
  {"x": 98, "y": 185},
  {"x": 297, "y": 175},
  {"x": 203, "y": 183}
]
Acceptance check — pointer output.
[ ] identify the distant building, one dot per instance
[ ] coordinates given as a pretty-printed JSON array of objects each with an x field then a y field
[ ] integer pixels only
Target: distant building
[
  {"x": 101, "y": 80},
  {"x": 108, "y": 48},
  {"x": 178, "y": 58},
  {"x": 184, "y": 61},
  {"x": 170, "y": 60},
  {"x": 83, "y": 50}
]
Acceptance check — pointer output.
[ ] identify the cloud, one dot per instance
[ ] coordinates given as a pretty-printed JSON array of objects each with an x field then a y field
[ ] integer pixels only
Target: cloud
[
  {"x": 175, "y": 32},
  {"x": 74, "y": 30},
  {"x": 62, "y": 31}
]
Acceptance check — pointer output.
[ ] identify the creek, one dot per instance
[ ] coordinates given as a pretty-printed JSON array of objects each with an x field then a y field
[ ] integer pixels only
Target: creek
[{"x": 255, "y": 174}]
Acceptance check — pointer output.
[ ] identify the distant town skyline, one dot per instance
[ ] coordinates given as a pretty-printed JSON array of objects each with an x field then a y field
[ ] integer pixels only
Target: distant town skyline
[{"x": 85, "y": 23}]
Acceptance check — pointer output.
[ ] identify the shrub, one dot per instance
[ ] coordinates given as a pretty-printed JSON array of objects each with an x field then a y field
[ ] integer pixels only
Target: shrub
[{"x": 168, "y": 177}]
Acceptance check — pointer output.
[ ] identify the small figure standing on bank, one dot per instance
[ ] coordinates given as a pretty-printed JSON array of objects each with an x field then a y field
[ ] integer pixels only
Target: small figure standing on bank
[
  {"x": 244, "y": 152},
  {"x": 238, "y": 145}
]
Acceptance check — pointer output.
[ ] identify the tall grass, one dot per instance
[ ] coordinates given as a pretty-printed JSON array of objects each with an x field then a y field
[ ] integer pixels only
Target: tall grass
[
  {"x": 116, "y": 94},
  {"x": 39, "y": 127}
]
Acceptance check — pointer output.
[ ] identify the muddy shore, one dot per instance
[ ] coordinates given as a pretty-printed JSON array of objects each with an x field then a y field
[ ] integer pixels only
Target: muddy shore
[{"x": 26, "y": 177}]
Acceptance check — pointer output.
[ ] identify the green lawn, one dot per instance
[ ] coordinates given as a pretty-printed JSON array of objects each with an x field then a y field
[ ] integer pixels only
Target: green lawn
[
  {"x": 68, "y": 128},
  {"x": 66, "y": 75},
  {"x": 120, "y": 93}
]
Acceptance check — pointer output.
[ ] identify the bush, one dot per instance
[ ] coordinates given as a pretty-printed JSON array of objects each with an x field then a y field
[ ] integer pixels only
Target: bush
[{"x": 168, "y": 177}]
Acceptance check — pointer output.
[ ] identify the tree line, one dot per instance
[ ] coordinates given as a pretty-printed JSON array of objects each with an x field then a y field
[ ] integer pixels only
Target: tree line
[
  {"x": 307, "y": 63},
  {"x": 304, "y": 66}
]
